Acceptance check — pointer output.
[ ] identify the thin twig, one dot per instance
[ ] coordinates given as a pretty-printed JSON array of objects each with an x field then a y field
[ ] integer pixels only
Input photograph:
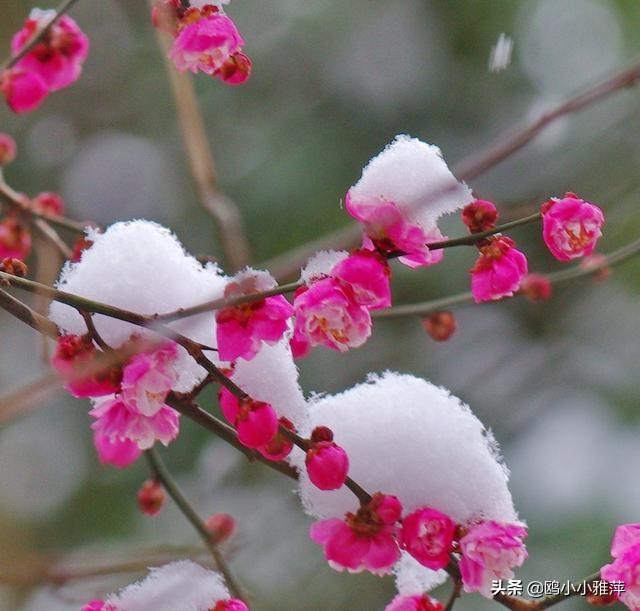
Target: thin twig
[
  {"x": 61, "y": 10},
  {"x": 160, "y": 471},
  {"x": 201, "y": 163}
]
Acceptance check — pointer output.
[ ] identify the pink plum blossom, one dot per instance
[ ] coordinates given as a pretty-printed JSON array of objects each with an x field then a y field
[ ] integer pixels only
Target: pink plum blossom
[
  {"x": 72, "y": 354},
  {"x": 231, "y": 604},
  {"x": 208, "y": 41},
  {"x": 365, "y": 540},
  {"x": 15, "y": 239},
  {"x": 116, "y": 452},
  {"x": 327, "y": 315},
  {"x": 8, "y": 149},
  {"x": 48, "y": 203},
  {"x": 625, "y": 568},
  {"x": 255, "y": 421},
  {"x": 241, "y": 329},
  {"x": 489, "y": 551},
  {"x": 279, "y": 446},
  {"x": 367, "y": 274},
  {"x": 480, "y": 215},
  {"x": 117, "y": 421},
  {"x": 498, "y": 270},
  {"x": 98, "y": 605},
  {"x": 24, "y": 91},
  {"x": 571, "y": 227},
  {"x": 427, "y": 534},
  {"x": 327, "y": 463},
  {"x": 147, "y": 379},
  {"x": 58, "y": 57},
  {"x": 389, "y": 230},
  {"x": 419, "y": 602}
]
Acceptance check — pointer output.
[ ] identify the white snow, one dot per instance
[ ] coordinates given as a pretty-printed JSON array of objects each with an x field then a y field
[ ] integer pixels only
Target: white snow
[{"x": 321, "y": 264}]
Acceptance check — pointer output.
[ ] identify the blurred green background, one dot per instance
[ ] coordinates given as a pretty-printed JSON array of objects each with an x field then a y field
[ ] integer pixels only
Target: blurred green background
[{"x": 333, "y": 82}]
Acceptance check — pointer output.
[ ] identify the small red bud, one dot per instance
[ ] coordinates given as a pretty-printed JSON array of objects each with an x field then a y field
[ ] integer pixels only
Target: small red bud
[
  {"x": 480, "y": 215},
  {"x": 8, "y": 149},
  {"x": 48, "y": 203},
  {"x": 151, "y": 497},
  {"x": 15, "y": 267},
  {"x": 440, "y": 325},
  {"x": 221, "y": 527},
  {"x": 536, "y": 287},
  {"x": 321, "y": 433}
]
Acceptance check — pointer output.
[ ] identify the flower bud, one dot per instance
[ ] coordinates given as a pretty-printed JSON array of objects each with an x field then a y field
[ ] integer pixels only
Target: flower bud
[
  {"x": 8, "y": 149},
  {"x": 440, "y": 325},
  {"x": 321, "y": 433},
  {"x": 221, "y": 527},
  {"x": 151, "y": 497},
  {"x": 327, "y": 464},
  {"x": 48, "y": 203},
  {"x": 480, "y": 215},
  {"x": 536, "y": 287},
  {"x": 15, "y": 267}
]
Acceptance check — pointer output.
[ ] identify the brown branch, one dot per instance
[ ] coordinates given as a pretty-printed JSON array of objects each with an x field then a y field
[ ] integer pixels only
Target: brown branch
[
  {"x": 508, "y": 143},
  {"x": 201, "y": 163}
]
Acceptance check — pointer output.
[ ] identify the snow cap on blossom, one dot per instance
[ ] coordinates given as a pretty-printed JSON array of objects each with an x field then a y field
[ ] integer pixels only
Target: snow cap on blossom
[
  {"x": 8, "y": 149},
  {"x": 431, "y": 451},
  {"x": 489, "y": 551},
  {"x": 625, "y": 549},
  {"x": 498, "y": 271},
  {"x": 327, "y": 315},
  {"x": 571, "y": 226},
  {"x": 242, "y": 330},
  {"x": 137, "y": 254},
  {"x": 180, "y": 585},
  {"x": 419, "y": 602},
  {"x": 208, "y": 41},
  {"x": 365, "y": 539},
  {"x": 58, "y": 58},
  {"x": 320, "y": 265},
  {"x": 400, "y": 196}
]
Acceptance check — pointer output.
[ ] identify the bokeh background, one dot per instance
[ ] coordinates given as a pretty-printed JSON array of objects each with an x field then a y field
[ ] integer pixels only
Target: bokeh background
[{"x": 333, "y": 82}]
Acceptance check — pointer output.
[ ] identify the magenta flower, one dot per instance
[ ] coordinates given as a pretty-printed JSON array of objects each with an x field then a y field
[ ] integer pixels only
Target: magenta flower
[
  {"x": 389, "y": 230},
  {"x": 116, "y": 452},
  {"x": 24, "y": 91},
  {"x": 72, "y": 354},
  {"x": 365, "y": 540},
  {"x": 117, "y": 421},
  {"x": 8, "y": 149},
  {"x": 625, "y": 568},
  {"x": 427, "y": 534},
  {"x": 255, "y": 421},
  {"x": 98, "y": 605},
  {"x": 241, "y": 329},
  {"x": 480, "y": 215},
  {"x": 231, "y": 604},
  {"x": 571, "y": 227},
  {"x": 367, "y": 274},
  {"x": 147, "y": 379},
  {"x": 419, "y": 602},
  {"x": 498, "y": 270},
  {"x": 15, "y": 239},
  {"x": 327, "y": 315},
  {"x": 327, "y": 463},
  {"x": 489, "y": 551},
  {"x": 209, "y": 42},
  {"x": 58, "y": 58}
]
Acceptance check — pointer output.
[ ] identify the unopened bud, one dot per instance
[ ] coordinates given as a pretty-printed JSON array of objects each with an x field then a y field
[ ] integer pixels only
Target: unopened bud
[
  {"x": 48, "y": 203},
  {"x": 221, "y": 527},
  {"x": 15, "y": 267},
  {"x": 321, "y": 433},
  {"x": 536, "y": 287},
  {"x": 480, "y": 215},
  {"x": 440, "y": 325},
  {"x": 8, "y": 149},
  {"x": 151, "y": 497}
]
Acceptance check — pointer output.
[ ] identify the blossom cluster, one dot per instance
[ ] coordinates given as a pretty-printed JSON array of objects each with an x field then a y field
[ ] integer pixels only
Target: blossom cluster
[
  {"x": 53, "y": 63},
  {"x": 205, "y": 40}
]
